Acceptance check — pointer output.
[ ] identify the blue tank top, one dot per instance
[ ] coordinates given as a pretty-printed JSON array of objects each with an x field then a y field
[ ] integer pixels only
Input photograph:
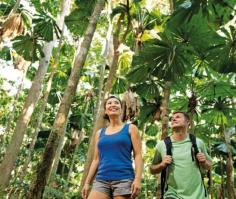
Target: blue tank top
[{"x": 115, "y": 150}]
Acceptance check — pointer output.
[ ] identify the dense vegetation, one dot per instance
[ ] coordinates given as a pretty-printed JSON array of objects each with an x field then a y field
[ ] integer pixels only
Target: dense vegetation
[{"x": 58, "y": 62}]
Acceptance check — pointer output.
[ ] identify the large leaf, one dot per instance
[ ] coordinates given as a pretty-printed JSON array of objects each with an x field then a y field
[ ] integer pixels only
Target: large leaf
[
  {"x": 120, "y": 85},
  {"x": 179, "y": 103},
  {"x": 44, "y": 26},
  {"x": 27, "y": 47},
  {"x": 139, "y": 73},
  {"x": 163, "y": 58},
  {"x": 223, "y": 56},
  {"x": 49, "y": 6},
  {"x": 215, "y": 88},
  {"x": 78, "y": 19},
  {"x": 146, "y": 112},
  {"x": 147, "y": 90}
]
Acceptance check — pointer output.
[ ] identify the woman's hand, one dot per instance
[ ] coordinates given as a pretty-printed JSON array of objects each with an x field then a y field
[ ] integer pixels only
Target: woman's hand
[
  {"x": 85, "y": 191},
  {"x": 135, "y": 188}
]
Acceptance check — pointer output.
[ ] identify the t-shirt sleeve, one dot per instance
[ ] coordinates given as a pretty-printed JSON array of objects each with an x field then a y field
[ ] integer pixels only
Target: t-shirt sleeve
[
  {"x": 157, "y": 157},
  {"x": 202, "y": 148}
]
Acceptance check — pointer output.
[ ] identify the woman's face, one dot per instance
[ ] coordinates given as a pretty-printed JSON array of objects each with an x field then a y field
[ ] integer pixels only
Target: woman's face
[{"x": 113, "y": 107}]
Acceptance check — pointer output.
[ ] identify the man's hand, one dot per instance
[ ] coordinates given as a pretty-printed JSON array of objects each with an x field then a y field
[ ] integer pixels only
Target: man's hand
[
  {"x": 203, "y": 162},
  {"x": 201, "y": 158},
  {"x": 166, "y": 161}
]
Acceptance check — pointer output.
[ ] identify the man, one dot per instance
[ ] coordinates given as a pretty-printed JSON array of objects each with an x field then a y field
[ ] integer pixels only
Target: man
[{"x": 183, "y": 179}]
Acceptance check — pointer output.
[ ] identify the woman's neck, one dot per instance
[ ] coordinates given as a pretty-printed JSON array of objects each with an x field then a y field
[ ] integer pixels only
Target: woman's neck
[{"x": 114, "y": 122}]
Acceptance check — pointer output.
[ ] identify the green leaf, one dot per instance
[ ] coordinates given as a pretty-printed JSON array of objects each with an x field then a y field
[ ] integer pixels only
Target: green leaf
[
  {"x": 27, "y": 47},
  {"x": 151, "y": 143},
  {"x": 147, "y": 90},
  {"x": 44, "y": 26},
  {"x": 146, "y": 112},
  {"x": 121, "y": 8},
  {"x": 222, "y": 57},
  {"x": 120, "y": 85},
  {"x": 5, "y": 53},
  {"x": 152, "y": 130},
  {"x": 78, "y": 19},
  {"x": 138, "y": 73},
  {"x": 179, "y": 103},
  {"x": 5, "y": 8}
]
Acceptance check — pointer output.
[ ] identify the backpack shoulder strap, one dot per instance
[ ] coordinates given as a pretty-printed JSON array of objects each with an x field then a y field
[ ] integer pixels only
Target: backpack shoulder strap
[
  {"x": 196, "y": 151},
  {"x": 168, "y": 145},
  {"x": 194, "y": 143}
]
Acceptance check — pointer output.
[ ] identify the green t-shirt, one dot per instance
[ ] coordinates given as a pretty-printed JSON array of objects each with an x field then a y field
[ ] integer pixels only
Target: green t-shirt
[{"x": 183, "y": 175}]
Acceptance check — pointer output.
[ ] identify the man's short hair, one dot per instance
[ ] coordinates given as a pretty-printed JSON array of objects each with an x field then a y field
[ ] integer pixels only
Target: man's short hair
[{"x": 184, "y": 113}]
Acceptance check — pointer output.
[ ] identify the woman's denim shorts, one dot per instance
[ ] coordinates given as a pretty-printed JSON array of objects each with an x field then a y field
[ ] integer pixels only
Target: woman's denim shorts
[{"x": 114, "y": 187}]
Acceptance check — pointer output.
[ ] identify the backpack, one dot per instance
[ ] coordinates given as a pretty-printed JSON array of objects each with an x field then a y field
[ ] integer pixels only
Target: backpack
[{"x": 194, "y": 152}]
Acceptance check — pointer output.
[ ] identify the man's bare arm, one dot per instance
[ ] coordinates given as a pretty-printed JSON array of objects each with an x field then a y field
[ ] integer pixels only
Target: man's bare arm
[{"x": 157, "y": 168}]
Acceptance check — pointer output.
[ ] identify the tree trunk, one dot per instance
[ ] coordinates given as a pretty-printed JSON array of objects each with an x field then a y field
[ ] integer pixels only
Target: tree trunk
[
  {"x": 100, "y": 121},
  {"x": 171, "y": 3},
  {"x": 44, "y": 168},
  {"x": 100, "y": 94},
  {"x": 30, "y": 103},
  {"x": 229, "y": 168},
  {"x": 41, "y": 112},
  {"x": 13, "y": 148},
  {"x": 164, "y": 120},
  {"x": 57, "y": 157},
  {"x": 16, "y": 6},
  {"x": 165, "y": 110}
]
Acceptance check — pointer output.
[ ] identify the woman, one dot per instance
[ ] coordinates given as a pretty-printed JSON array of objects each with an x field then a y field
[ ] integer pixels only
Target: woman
[{"x": 112, "y": 161}]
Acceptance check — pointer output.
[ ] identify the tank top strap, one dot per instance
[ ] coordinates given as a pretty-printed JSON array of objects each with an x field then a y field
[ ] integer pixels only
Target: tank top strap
[
  {"x": 126, "y": 128},
  {"x": 102, "y": 132}
]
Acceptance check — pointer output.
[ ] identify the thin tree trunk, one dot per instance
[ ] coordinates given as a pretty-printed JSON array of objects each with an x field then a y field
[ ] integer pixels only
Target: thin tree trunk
[
  {"x": 229, "y": 168},
  {"x": 100, "y": 121},
  {"x": 13, "y": 148},
  {"x": 41, "y": 112},
  {"x": 38, "y": 185},
  {"x": 222, "y": 192},
  {"x": 30, "y": 103},
  {"x": 100, "y": 94},
  {"x": 16, "y": 6},
  {"x": 165, "y": 109},
  {"x": 164, "y": 120},
  {"x": 57, "y": 157},
  {"x": 171, "y": 3}
]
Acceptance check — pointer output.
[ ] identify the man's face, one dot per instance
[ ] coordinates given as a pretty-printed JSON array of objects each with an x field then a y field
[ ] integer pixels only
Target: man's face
[{"x": 179, "y": 120}]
